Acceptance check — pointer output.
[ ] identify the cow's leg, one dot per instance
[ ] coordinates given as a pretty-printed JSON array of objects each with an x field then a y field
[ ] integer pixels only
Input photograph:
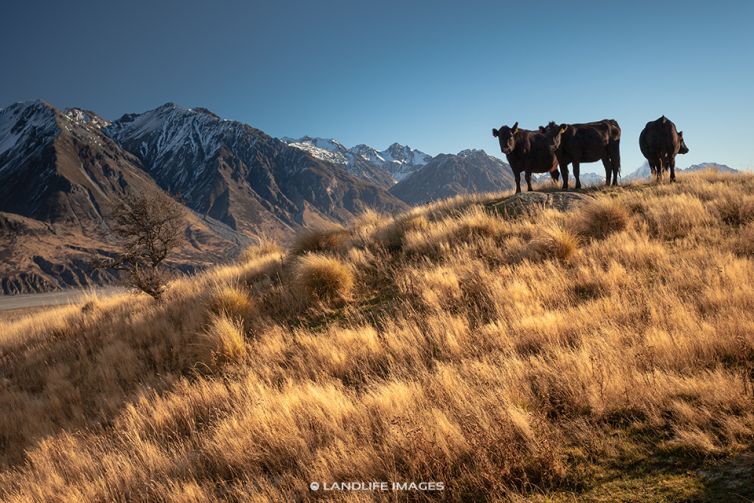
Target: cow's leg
[
  {"x": 615, "y": 160},
  {"x": 659, "y": 169},
  {"x": 528, "y": 180},
  {"x": 555, "y": 174},
  {"x": 564, "y": 174},
  {"x": 608, "y": 170},
  {"x": 518, "y": 182},
  {"x": 576, "y": 173},
  {"x": 671, "y": 162}
]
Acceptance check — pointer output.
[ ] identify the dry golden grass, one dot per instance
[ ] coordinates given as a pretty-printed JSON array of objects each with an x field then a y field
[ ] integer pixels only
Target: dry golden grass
[
  {"x": 320, "y": 278},
  {"x": 600, "y": 218},
  {"x": 327, "y": 240},
  {"x": 603, "y": 354},
  {"x": 264, "y": 247},
  {"x": 222, "y": 342}
]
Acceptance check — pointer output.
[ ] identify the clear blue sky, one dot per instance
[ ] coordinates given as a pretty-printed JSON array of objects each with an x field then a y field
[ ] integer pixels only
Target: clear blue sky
[{"x": 437, "y": 75}]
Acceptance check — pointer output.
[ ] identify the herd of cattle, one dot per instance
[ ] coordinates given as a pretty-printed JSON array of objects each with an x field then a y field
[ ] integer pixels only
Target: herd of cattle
[{"x": 554, "y": 145}]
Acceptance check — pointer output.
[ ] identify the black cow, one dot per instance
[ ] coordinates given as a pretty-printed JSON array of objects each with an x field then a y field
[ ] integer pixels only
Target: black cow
[
  {"x": 590, "y": 142},
  {"x": 529, "y": 151},
  {"x": 660, "y": 142}
]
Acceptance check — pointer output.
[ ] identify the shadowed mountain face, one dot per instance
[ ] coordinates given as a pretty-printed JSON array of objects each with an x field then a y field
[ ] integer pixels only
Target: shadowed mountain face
[
  {"x": 59, "y": 177},
  {"x": 59, "y": 167},
  {"x": 240, "y": 175},
  {"x": 448, "y": 175}
]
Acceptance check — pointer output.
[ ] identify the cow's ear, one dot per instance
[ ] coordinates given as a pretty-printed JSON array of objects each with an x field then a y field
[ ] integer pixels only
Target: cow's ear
[
  {"x": 515, "y": 128},
  {"x": 541, "y": 129},
  {"x": 494, "y": 132},
  {"x": 680, "y": 133},
  {"x": 563, "y": 128}
]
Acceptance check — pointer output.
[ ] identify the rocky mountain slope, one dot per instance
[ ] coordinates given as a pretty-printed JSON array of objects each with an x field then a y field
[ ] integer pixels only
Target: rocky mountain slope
[
  {"x": 59, "y": 177},
  {"x": 448, "y": 175},
  {"x": 241, "y": 176}
]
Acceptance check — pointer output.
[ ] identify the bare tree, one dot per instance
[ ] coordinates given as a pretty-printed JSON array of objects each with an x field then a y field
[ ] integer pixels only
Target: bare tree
[{"x": 149, "y": 227}]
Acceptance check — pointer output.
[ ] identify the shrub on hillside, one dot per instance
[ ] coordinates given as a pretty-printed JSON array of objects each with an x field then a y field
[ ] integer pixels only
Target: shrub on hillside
[
  {"x": 149, "y": 227},
  {"x": 600, "y": 218},
  {"x": 321, "y": 278}
]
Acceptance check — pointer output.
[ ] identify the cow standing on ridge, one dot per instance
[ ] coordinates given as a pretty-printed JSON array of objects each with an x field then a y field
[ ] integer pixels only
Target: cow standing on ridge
[
  {"x": 660, "y": 142},
  {"x": 588, "y": 142},
  {"x": 529, "y": 151}
]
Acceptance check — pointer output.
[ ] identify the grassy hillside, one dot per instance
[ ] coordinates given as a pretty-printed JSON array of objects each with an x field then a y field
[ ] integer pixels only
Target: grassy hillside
[{"x": 603, "y": 353}]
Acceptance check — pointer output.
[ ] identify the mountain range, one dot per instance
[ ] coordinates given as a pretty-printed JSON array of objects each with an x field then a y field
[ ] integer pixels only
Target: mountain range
[
  {"x": 62, "y": 170},
  {"x": 383, "y": 167}
]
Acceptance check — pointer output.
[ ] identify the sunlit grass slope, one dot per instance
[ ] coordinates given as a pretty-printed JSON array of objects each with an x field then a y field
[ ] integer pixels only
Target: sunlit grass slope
[{"x": 603, "y": 353}]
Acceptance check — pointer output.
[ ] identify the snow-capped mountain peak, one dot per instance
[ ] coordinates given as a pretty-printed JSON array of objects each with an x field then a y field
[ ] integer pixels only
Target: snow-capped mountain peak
[
  {"x": 23, "y": 125},
  {"x": 385, "y": 167},
  {"x": 472, "y": 152},
  {"x": 86, "y": 117},
  {"x": 329, "y": 150}
]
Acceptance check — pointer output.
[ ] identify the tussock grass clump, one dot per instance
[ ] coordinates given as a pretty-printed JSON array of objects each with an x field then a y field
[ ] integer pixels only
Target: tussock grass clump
[
  {"x": 264, "y": 247},
  {"x": 600, "y": 218},
  {"x": 234, "y": 302},
  {"x": 554, "y": 243},
  {"x": 735, "y": 209},
  {"x": 675, "y": 216},
  {"x": 320, "y": 278},
  {"x": 437, "y": 238},
  {"x": 326, "y": 240},
  {"x": 437, "y": 286},
  {"x": 222, "y": 342},
  {"x": 393, "y": 235},
  {"x": 744, "y": 245}
]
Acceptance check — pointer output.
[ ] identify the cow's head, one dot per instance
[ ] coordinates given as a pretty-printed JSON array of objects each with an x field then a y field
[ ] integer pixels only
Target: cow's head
[
  {"x": 683, "y": 149},
  {"x": 507, "y": 137},
  {"x": 553, "y": 133}
]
